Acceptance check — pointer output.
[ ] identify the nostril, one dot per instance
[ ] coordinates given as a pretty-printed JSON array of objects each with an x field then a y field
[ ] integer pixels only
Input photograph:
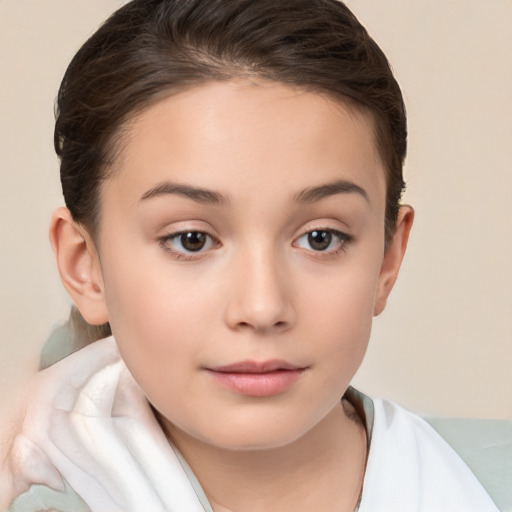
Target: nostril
[
  {"x": 268, "y": 327},
  {"x": 280, "y": 326}
]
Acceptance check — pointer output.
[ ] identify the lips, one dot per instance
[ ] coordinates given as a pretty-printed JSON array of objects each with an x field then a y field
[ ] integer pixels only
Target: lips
[
  {"x": 255, "y": 367},
  {"x": 257, "y": 379}
]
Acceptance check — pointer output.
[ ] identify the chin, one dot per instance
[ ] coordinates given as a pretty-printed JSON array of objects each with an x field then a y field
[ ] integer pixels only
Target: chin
[
  {"x": 252, "y": 436},
  {"x": 244, "y": 443}
]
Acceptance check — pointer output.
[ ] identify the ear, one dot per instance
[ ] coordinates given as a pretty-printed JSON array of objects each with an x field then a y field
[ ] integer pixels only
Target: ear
[
  {"x": 79, "y": 266},
  {"x": 393, "y": 256}
]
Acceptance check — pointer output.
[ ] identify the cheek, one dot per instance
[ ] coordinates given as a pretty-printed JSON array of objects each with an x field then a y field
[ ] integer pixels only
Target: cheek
[
  {"x": 346, "y": 294},
  {"x": 340, "y": 314},
  {"x": 346, "y": 320},
  {"x": 151, "y": 297},
  {"x": 159, "y": 319}
]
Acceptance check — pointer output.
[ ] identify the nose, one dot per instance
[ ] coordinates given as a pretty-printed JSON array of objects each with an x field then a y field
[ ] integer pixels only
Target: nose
[{"x": 260, "y": 295}]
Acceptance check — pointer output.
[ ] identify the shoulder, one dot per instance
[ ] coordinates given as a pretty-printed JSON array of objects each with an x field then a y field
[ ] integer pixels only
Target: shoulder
[
  {"x": 90, "y": 439},
  {"x": 486, "y": 447},
  {"x": 411, "y": 466},
  {"x": 30, "y": 471}
]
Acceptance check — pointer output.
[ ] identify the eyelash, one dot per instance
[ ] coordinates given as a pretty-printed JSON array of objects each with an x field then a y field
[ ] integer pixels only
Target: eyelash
[{"x": 166, "y": 243}]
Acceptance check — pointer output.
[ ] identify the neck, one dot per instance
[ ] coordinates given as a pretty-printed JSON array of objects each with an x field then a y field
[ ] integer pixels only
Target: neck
[{"x": 334, "y": 452}]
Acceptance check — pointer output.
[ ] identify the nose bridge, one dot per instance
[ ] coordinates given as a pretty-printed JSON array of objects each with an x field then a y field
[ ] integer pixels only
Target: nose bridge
[{"x": 261, "y": 298}]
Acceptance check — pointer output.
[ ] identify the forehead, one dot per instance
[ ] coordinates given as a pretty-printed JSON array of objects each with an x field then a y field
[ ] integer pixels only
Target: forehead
[{"x": 239, "y": 137}]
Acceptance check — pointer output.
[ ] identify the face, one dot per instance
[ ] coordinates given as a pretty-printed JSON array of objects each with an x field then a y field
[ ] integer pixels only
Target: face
[{"x": 241, "y": 245}]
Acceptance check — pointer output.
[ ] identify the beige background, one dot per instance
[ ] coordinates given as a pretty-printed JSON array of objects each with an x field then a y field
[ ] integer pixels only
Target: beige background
[{"x": 444, "y": 345}]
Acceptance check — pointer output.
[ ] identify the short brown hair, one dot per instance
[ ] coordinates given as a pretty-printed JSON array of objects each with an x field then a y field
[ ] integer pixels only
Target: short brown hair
[
  {"x": 149, "y": 48},
  {"x": 152, "y": 48}
]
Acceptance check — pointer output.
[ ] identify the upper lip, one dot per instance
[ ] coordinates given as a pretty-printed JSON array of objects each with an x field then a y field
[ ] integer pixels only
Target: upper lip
[{"x": 256, "y": 367}]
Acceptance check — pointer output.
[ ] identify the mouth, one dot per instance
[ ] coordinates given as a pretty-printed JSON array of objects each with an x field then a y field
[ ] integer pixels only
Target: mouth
[{"x": 258, "y": 379}]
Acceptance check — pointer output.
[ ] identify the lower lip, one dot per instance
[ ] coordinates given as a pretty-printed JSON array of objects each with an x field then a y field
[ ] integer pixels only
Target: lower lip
[{"x": 257, "y": 384}]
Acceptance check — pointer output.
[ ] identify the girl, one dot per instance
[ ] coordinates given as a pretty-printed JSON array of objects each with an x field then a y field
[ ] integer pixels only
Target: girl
[{"x": 232, "y": 172}]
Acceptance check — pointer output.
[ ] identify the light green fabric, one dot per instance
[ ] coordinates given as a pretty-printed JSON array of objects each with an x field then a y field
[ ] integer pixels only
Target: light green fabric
[
  {"x": 486, "y": 447},
  {"x": 41, "y": 498},
  {"x": 61, "y": 343}
]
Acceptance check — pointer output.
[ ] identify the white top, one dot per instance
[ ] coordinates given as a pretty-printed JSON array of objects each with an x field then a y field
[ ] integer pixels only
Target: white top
[
  {"x": 411, "y": 468},
  {"x": 89, "y": 441}
]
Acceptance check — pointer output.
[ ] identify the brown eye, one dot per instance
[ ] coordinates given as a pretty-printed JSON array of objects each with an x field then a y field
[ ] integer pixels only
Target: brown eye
[
  {"x": 193, "y": 241},
  {"x": 326, "y": 240},
  {"x": 186, "y": 243},
  {"x": 319, "y": 240}
]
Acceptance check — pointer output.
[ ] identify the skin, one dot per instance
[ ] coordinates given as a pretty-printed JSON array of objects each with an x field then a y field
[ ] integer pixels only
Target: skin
[{"x": 257, "y": 290}]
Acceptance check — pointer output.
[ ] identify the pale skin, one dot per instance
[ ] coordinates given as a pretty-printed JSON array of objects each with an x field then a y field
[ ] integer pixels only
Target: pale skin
[{"x": 263, "y": 173}]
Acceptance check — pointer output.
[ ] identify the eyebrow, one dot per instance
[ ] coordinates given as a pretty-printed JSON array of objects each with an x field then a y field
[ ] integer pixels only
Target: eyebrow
[
  {"x": 313, "y": 194},
  {"x": 205, "y": 196},
  {"x": 200, "y": 195}
]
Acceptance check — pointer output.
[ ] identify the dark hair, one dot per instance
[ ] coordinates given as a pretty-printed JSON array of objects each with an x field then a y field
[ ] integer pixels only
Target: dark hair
[{"x": 152, "y": 48}]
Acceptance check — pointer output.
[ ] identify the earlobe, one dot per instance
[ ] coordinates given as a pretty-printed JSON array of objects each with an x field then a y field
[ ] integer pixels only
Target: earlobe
[
  {"x": 393, "y": 257},
  {"x": 79, "y": 266}
]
